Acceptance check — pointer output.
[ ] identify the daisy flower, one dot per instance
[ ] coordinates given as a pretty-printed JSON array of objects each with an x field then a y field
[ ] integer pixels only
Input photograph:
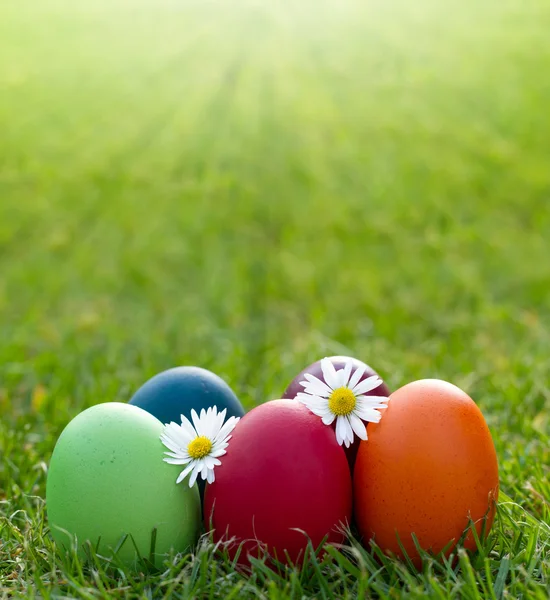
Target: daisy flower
[
  {"x": 342, "y": 396},
  {"x": 198, "y": 444}
]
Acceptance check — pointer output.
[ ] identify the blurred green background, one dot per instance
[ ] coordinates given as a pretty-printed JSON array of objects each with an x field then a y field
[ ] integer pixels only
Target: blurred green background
[{"x": 249, "y": 186}]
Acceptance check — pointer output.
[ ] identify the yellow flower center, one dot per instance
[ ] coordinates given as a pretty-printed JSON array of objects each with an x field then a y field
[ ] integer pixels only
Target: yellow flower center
[
  {"x": 342, "y": 401},
  {"x": 199, "y": 447}
]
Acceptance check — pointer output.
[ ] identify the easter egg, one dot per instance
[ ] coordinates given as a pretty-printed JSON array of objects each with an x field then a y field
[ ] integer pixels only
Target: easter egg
[
  {"x": 177, "y": 391},
  {"x": 107, "y": 480},
  {"x": 283, "y": 480},
  {"x": 339, "y": 363},
  {"x": 428, "y": 467}
]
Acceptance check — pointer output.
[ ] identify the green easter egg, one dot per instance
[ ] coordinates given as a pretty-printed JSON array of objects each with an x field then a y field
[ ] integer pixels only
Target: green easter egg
[{"x": 107, "y": 480}]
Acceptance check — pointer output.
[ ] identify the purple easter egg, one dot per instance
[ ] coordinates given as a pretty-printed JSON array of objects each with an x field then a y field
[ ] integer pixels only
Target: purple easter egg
[{"x": 339, "y": 362}]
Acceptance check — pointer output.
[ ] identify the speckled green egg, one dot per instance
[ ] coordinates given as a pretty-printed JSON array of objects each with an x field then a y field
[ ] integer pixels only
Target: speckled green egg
[{"x": 107, "y": 481}]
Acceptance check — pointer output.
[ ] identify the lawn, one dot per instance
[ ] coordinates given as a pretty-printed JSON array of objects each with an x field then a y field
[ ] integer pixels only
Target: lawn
[{"x": 249, "y": 186}]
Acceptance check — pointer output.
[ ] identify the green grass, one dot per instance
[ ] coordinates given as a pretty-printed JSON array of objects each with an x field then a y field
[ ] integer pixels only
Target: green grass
[{"x": 249, "y": 186}]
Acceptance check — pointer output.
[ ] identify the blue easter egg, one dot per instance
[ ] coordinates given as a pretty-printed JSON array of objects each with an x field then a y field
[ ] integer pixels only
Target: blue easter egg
[{"x": 177, "y": 391}]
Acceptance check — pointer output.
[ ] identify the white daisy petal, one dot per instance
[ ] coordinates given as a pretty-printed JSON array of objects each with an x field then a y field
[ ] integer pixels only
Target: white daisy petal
[
  {"x": 214, "y": 427},
  {"x": 313, "y": 401},
  {"x": 367, "y": 385},
  {"x": 358, "y": 426},
  {"x": 210, "y": 421},
  {"x": 349, "y": 431},
  {"x": 210, "y": 477},
  {"x": 193, "y": 478},
  {"x": 368, "y": 414},
  {"x": 323, "y": 388},
  {"x": 182, "y": 455},
  {"x": 174, "y": 447},
  {"x": 187, "y": 427},
  {"x": 221, "y": 444},
  {"x": 196, "y": 421},
  {"x": 170, "y": 444},
  {"x": 373, "y": 399},
  {"x": 329, "y": 419},
  {"x": 317, "y": 409},
  {"x": 211, "y": 462},
  {"x": 222, "y": 418},
  {"x": 354, "y": 379},
  {"x": 345, "y": 374},
  {"x": 341, "y": 429},
  {"x": 199, "y": 463},
  {"x": 363, "y": 402},
  {"x": 315, "y": 390},
  {"x": 325, "y": 410},
  {"x": 185, "y": 472},
  {"x": 218, "y": 424},
  {"x": 205, "y": 413},
  {"x": 228, "y": 428},
  {"x": 329, "y": 374},
  {"x": 178, "y": 435},
  {"x": 310, "y": 401},
  {"x": 177, "y": 461},
  {"x": 217, "y": 453},
  {"x": 307, "y": 396}
]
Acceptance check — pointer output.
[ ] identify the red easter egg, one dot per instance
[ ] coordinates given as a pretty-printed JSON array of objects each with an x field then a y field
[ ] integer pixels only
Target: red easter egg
[
  {"x": 284, "y": 477},
  {"x": 339, "y": 363},
  {"x": 427, "y": 468}
]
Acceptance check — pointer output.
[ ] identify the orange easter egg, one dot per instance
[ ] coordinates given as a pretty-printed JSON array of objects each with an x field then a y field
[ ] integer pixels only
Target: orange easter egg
[{"x": 427, "y": 468}]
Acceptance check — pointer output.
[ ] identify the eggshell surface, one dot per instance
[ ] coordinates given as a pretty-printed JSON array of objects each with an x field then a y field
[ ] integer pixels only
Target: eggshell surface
[
  {"x": 428, "y": 466},
  {"x": 107, "y": 479},
  {"x": 339, "y": 362},
  {"x": 283, "y": 471},
  {"x": 177, "y": 391}
]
